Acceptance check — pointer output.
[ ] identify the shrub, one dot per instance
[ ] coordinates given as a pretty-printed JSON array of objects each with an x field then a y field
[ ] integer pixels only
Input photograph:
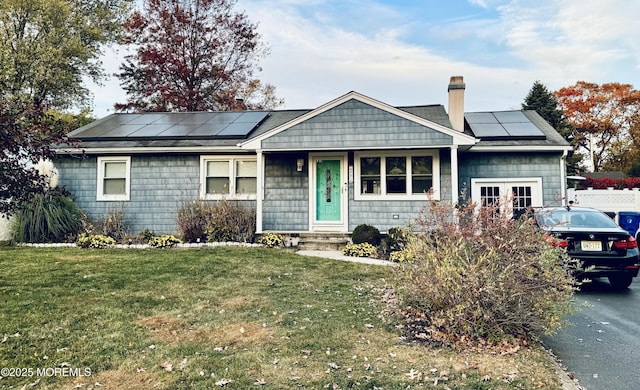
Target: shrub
[
  {"x": 96, "y": 241},
  {"x": 398, "y": 238},
  {"x": 402, "y": 256},
  {"x": 112, "y": 224},
  {"x": 48, "y": 217},
  {"x": 395, "y": 240},
  {"x": 192, "y": 220},
  {"x": 164, "y": 241},
  {"x": 364, "y": 249},
  {"x": 478, "y": 275},
  {"x": 146, "y": 235},
  {"x": 231, "y": 222},
  {"x": 272, "y": 240},
  {"x": 601, "y": 182},
  {"x": 366, "y": 233},
  {"x": 631, "y": 182}
]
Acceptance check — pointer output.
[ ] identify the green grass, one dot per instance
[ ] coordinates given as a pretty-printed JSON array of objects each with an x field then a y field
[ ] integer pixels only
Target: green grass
[{"x": 200, "y": 318}]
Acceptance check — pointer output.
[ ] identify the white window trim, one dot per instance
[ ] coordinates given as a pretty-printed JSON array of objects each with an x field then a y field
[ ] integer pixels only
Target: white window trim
[
  {"x": 100, "y": 195},
  {"x": 409, "y": 195},
  {"x": 534, "y": 182},
  {"x": 232, "y": 177}
]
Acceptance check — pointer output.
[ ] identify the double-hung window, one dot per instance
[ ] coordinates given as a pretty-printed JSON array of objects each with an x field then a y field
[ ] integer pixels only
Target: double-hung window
[
  {"x": 114, "y": 178},
  {"x": 400, "y": 175},
  {"x": 228, "y": 177}
]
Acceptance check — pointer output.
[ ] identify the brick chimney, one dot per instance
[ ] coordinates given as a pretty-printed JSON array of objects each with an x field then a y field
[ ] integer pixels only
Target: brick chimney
[{"x": 456, "y": 103}]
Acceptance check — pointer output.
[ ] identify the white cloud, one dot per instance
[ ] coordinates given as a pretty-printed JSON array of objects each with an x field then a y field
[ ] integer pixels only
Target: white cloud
[
  {"x": 570, "y": 41},
  {"x": 321, "y": 49}
]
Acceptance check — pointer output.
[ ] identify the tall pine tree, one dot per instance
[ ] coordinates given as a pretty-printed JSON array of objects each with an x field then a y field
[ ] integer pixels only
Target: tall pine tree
[{"x": 544, "y": 103}]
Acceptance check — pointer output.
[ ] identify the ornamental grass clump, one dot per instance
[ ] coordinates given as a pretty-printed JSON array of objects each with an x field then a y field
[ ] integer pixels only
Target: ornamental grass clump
[
  {"x": 51, "y": 216},
  {"x": 475, "y": 275}
]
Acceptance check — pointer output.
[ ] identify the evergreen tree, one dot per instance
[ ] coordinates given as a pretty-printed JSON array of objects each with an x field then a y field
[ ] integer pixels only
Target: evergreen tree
[{"x": 545, "y": 104}]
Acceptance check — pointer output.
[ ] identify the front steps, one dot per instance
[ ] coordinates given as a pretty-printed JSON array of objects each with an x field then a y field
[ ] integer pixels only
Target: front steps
[{"x": 323, "y": 241}]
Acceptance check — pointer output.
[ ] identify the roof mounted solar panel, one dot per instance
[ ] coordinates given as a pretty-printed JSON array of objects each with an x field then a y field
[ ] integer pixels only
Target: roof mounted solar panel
[
  {"x": 177, "y": 130},
  {"x": 484, "y": 130},
  {"x": 224, "y": 117},
  {"x": 122, "y": 131},
  {"x": 179, "y": 125},
  {"x": 150, "y": 130},
  {"x": 511, "y": 117},
  {"x": 480, "y": 117},
  {"x": 146, "y": 119},
  {"x": 523, "y": 130},
  {"x": 244, "y": 124},
  {"x": 503, "y": 125}
]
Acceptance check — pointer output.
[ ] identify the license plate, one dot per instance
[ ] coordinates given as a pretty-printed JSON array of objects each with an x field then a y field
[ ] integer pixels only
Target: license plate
[{"x": 591, "y": 246}]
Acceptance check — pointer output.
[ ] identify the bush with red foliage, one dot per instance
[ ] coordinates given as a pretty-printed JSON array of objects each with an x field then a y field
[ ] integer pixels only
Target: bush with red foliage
[
  {"x": 600, "y": 183},
  {"x": 631, "y": 182}
]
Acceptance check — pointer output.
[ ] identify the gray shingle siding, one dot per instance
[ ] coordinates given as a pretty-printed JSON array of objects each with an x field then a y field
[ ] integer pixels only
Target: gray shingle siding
[
  {"x": 513, "y": 165},
  {"x": 160, "y": 184},
  {"x": 349, "y": 126},
  {"x": 381, "y": 213},
  {"x": 286, "y": 193}
]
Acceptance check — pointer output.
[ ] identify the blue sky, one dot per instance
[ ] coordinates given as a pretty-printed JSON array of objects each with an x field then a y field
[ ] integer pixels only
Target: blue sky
[{"x": 403, "y": 52}]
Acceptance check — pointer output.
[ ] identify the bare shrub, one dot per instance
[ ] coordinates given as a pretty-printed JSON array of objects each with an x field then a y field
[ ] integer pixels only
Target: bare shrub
[
  {"x": 112, "y": 224},
  {"x": 479, "y": 276},
  {"x": 192, "y": 220},
  {"x": 220, "y": 221},
  {"x": 230, "y": 221}
]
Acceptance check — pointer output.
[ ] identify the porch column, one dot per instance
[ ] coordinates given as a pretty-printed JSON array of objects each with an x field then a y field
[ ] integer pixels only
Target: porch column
[
  {"x": 454, "y": 175},
  {"x": 260, "y": 190}
]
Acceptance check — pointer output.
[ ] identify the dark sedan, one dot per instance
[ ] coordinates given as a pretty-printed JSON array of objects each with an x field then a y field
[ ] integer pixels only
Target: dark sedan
[{"x": 590, "y": 236}]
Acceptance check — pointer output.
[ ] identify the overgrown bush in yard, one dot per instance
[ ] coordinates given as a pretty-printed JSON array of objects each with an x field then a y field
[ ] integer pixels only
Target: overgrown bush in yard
[
  {"x": 230, "y": 221},
  {"x": 476, "y": 275},
  {"x": 366, "y": 233},
  {"x": 219, "y": 221},
  {"x": 192, "y": 220},
  {"x": 49, "y": 217},
  {"x": 112, "y": 224}
]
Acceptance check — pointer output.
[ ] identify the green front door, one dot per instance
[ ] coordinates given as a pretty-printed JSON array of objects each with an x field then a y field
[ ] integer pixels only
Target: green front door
[{"x": 328, "y": 190}]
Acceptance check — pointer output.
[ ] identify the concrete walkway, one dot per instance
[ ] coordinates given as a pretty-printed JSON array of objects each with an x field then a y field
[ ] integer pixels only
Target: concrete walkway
[{"x": 337, "y": 255}]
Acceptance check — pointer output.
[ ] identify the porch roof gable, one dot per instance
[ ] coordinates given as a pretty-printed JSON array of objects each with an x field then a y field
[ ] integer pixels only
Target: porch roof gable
[{"x": 355, "y": 121}]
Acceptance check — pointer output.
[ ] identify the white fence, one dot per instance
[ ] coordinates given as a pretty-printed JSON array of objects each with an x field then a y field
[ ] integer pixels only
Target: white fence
[{"x": 606, "y": 200}]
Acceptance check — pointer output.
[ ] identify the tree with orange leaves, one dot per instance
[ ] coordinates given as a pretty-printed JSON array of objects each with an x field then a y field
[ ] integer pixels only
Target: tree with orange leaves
[{"x": 602, "y": 117}]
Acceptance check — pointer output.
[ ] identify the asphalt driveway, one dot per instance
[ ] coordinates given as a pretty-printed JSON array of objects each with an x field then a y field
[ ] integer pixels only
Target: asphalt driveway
[{"x": 601, "y": 346}]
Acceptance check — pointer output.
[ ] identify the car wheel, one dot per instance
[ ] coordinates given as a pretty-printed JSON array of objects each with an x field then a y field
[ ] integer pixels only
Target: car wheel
[{"x": 620, "y": 282}]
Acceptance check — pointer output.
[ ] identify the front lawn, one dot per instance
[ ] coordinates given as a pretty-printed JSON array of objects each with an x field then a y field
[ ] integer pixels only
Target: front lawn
[{"x": 227, "y": 317}]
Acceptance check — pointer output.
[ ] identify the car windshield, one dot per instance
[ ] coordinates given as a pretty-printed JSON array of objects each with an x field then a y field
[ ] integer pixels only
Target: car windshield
[{"x": 575, "y": 218}]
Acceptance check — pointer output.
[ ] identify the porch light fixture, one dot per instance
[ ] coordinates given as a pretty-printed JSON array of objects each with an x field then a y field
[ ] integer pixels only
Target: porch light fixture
[{"x": 300, "y": 164}]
